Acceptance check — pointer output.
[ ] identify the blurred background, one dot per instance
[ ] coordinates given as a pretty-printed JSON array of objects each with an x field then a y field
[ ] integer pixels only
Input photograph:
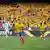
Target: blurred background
[{"x": 30, "y": 14}]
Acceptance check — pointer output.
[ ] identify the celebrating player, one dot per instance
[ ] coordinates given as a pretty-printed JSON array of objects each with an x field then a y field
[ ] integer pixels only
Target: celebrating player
[
  {"x": 19, "y": 28},
  {"x": 42, "y": 27}
]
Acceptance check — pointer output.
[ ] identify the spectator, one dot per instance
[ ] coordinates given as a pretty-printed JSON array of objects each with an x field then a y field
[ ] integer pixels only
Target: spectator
[{"x": 1, "y": 26}]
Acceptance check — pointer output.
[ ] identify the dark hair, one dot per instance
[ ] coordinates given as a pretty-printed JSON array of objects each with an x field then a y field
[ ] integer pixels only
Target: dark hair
[
  {"x": 40, "y": 23},
  {"x": 48, "y": 18},
  {"x": 28, "y": 11},
  {"x": 44, "y": 22},
  {"x": 18, "y": 19},
  {"x": 37, "y": 10},
  {"x": 40, "y": 9},
  {"x": 33, "y": 14},
  {"x": 48, "y": 11},
  {"x": 17, "y": 6},
  {"x": 0, "y": 18}
]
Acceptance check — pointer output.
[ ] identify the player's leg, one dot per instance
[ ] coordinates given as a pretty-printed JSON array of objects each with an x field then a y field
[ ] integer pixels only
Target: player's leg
[
  {"x": 21, "y": 38},
  {"x": 43, "y": 37},
  {"x": 41, "y": 34},
  {"x": 6, "y": 34}
]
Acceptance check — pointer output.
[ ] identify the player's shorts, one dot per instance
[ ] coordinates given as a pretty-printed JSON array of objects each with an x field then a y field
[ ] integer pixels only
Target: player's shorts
[
  {"x": 42, "y": 32},
  {"x": 7, "y": 31},
  {"x": 21, "y": 33}
]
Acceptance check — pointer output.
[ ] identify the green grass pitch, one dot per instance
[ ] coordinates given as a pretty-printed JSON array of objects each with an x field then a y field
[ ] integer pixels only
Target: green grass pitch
[{"x": 13, "y": 43}]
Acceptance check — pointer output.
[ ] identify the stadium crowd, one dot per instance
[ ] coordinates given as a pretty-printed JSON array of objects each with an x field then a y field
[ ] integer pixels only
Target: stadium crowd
[{"x": 37, "y": 20}]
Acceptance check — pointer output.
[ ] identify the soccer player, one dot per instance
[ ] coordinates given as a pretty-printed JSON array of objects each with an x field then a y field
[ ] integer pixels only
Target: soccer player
[
  {"x": 19, "y": 29},
  {"x": 6, "y": 27},
  {"x": 42, "y": 27}
]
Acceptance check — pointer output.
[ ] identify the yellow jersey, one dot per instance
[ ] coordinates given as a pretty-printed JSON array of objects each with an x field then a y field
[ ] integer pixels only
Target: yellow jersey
[{"x": 18, "y": 27}]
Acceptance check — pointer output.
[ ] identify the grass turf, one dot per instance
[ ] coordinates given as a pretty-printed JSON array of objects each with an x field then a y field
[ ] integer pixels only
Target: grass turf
[{"x": 13, "y": 43}]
